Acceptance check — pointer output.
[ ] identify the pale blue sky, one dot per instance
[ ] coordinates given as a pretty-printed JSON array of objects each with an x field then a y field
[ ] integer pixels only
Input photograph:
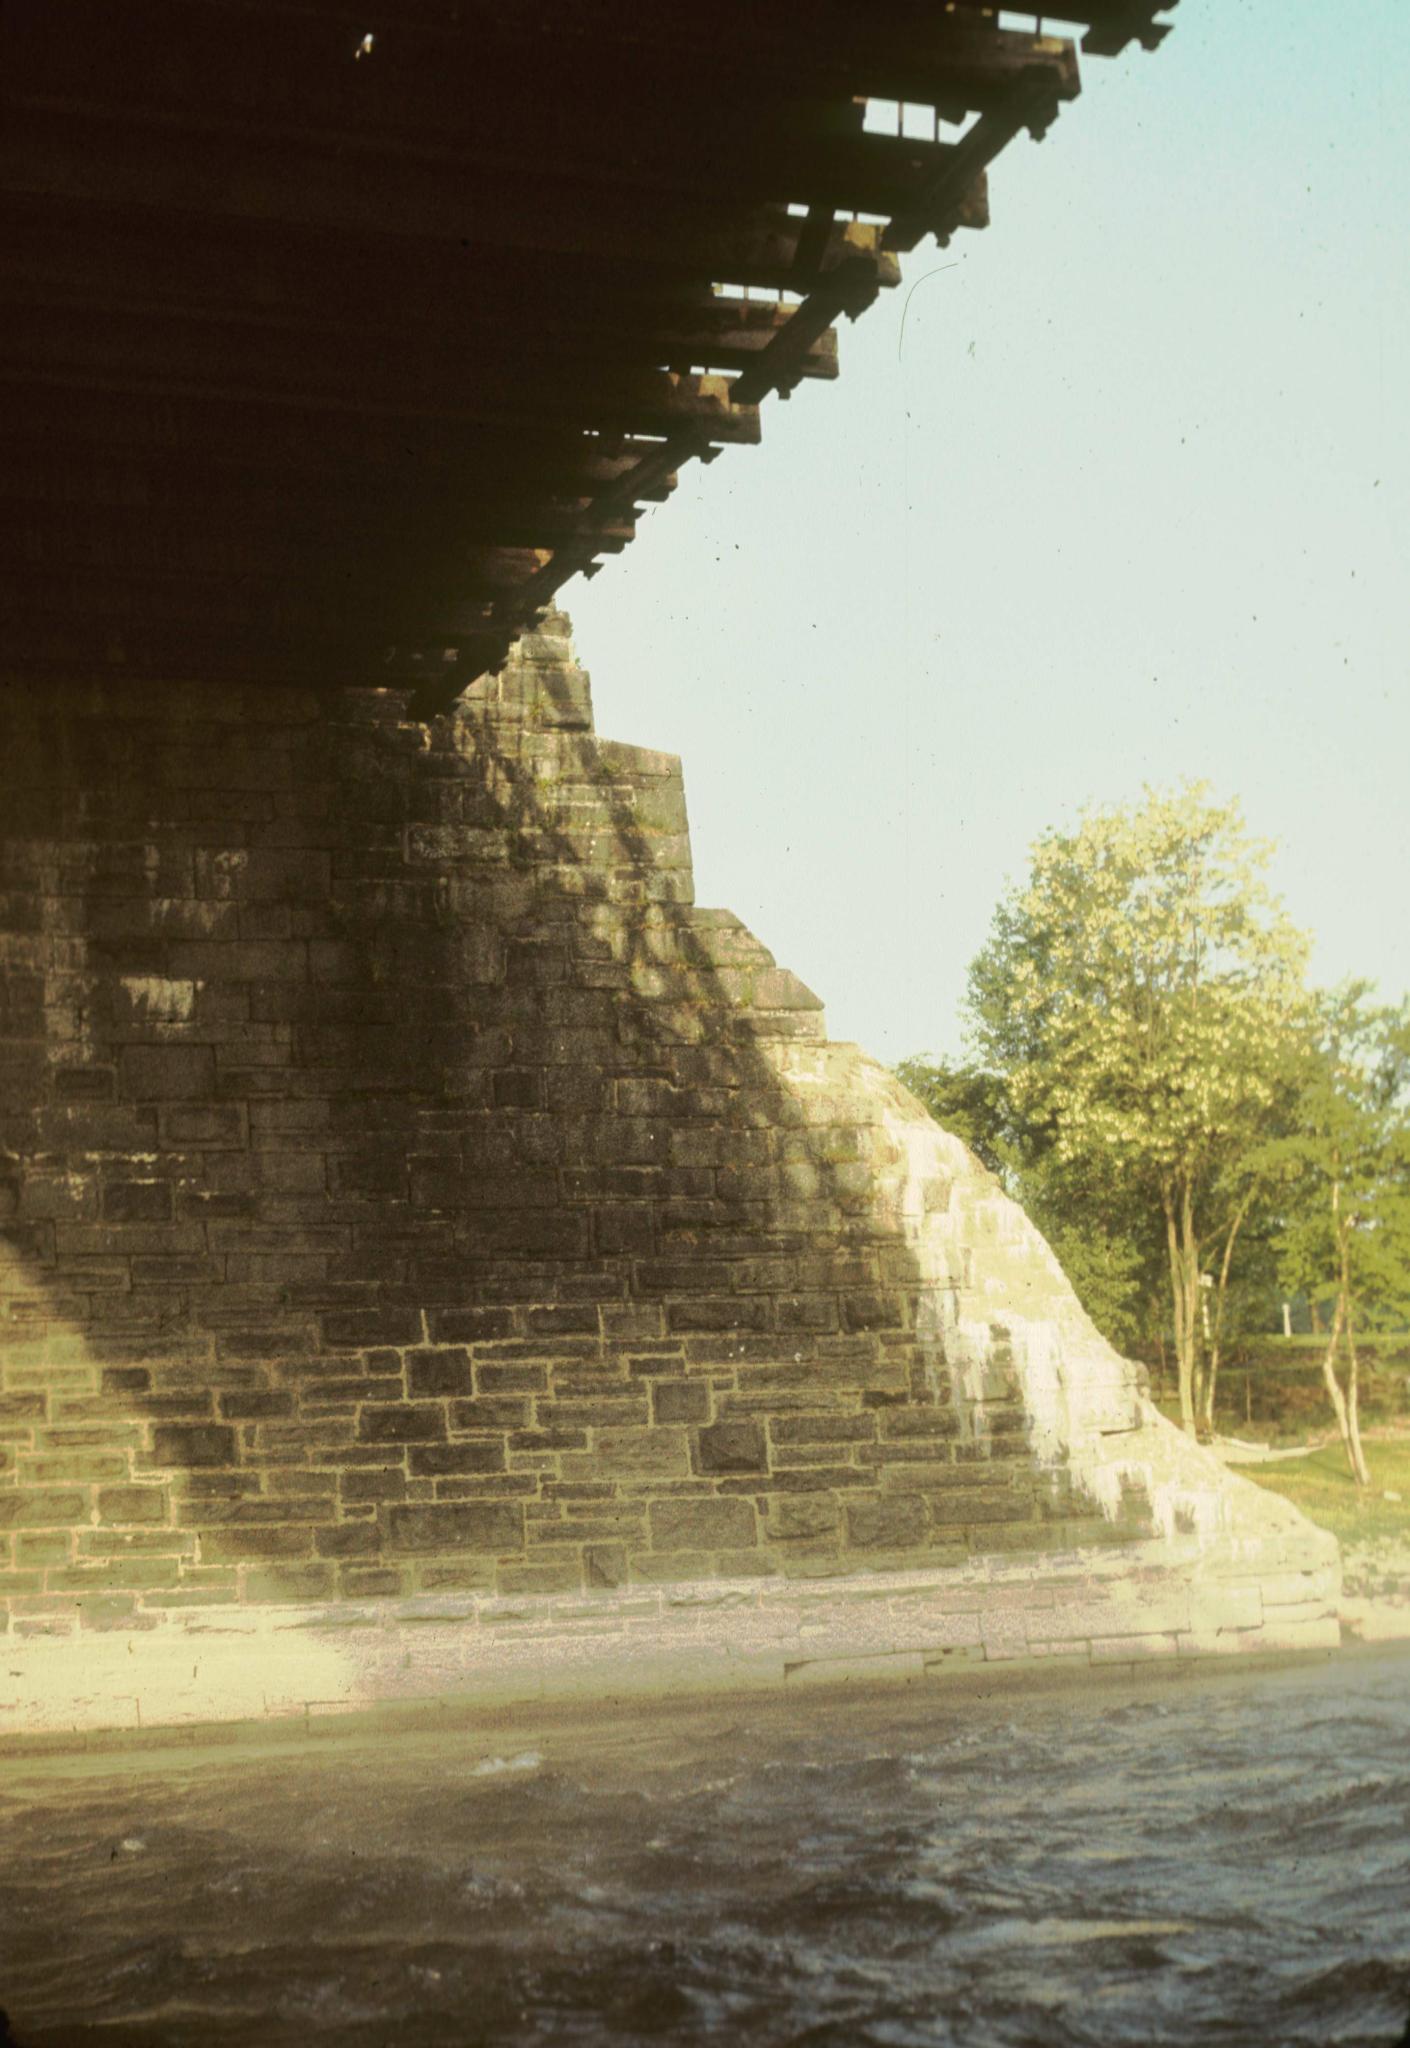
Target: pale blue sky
[{"x": 1129, "y": 505}]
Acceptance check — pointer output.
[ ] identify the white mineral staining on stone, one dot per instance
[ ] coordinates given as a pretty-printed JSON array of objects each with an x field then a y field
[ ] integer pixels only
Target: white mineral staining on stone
[
  {"x": 992, "y": 1304},
  {"x": 155, "y": 1000}
]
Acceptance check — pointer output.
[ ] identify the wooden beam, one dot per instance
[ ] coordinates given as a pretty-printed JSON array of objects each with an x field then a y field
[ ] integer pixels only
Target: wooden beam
[
  {"x": 611, "y": 400},
  {"x": 482, "y": 190},
  {"x": 251, "y": 63},
  {"x": 937, "y": 204},
  {"x": 1106, "y": 15},
  {"x": 325, "y": 338},
  {"x": 204, "y": 528},
  {"x": 111, "y": 253},
  {"x": 164, "y": 429},
  {"x": 1109, "y": 35},
  {"x": 278, "y": 615},
  {"x": 136, "y": 181},
  {"x": 433, "y": 346},
  {"x": 849, "y": 289},
  {"x": 41, "y": 468}
]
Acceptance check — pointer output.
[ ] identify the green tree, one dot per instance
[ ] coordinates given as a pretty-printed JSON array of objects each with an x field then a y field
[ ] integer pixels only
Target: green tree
[
  {"x": 975, "y": 1106},
  {"x": 1346, "y": 1184},
  {"x": 1246, "y": 1193},
  {"x": 1139, "y": 994}
]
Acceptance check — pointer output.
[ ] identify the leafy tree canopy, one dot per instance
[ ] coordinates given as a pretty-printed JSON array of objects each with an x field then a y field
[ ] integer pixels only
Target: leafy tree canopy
[
  {"x": 1136, "y": 990},
  {"x": 1133, "y": 1023}
]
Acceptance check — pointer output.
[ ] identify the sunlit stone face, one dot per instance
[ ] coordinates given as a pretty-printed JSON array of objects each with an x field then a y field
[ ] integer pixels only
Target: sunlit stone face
[{"x": 445, "y": 1258}]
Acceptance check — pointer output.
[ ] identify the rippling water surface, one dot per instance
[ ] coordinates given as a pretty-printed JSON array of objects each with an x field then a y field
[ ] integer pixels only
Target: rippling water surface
[{"x": 1213, "y": 1859}]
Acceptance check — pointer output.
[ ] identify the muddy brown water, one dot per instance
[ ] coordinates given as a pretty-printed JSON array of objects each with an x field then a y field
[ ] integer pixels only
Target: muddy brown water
[{"x": 1221, "y": 1858}]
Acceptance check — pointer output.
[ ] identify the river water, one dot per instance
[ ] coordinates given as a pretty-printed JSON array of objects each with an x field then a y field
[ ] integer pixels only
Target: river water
[{"x": 1219, "y": 1858}]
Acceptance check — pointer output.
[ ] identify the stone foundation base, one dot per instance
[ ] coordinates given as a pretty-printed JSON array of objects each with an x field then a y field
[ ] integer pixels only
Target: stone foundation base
[
  {"x": 1101, "y": 1609},
  {"x": 439, "y": 1260}
]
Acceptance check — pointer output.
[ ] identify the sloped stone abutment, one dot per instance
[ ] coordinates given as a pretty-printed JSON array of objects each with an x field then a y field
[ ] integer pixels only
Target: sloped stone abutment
[{"x": 442, "y": 1259}]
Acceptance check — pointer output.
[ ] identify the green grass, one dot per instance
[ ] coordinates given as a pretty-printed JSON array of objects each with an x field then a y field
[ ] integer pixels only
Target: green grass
[{"x": 1321, "y": 1485}]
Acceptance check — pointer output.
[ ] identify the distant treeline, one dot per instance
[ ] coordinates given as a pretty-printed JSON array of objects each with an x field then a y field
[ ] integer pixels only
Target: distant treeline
[{"x": 1278, "y": 1382}]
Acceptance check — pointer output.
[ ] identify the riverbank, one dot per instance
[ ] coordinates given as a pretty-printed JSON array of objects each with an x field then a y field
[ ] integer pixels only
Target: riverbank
[
  {"x": 1372, "y": 1526},
  {"x": 1375, "y": 1603}
]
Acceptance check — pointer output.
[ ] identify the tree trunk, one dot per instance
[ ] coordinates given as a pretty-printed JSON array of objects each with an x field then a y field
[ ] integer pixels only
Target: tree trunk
[
  {"x": 1184, "y": 1292},
  {"x": 1348, "y": 1422},
  {"x": 1360, "y": 1470},
  {"x": 1194, "y": 1299},
  {"x": 1183, "y": 1373},
  {"x": 1347, "y": 1414},
  {"x": 1211, "y": 1370},
  {"x": 1333, "y": 1384}
]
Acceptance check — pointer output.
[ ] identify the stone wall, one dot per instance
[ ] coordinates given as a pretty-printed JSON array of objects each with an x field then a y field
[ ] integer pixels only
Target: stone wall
[{"x": 412, "y": 1199}]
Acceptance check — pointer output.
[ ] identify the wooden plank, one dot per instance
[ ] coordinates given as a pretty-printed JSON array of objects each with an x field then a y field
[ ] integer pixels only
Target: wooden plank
[
  {"x": 58, "y": 494},
  {"x": 224, "y": 655},
  {"x": 137, "y": 178},
  {"x": 937, "y": 205},
  {"x": 166, "y": 428},
  {"x": 192, "y": 162},
  {"x": 39, "y": 470},
  {"x": 431, "y": 346},
  {"x": 112, "y": 251},
  {"x": 239, "y": 535},
  {"x": 1110, "y": 33},
  {"x": 338, "y": 326},
  {"x": 850, "y": 289},
  {"x": 627, "y": 401},
  {"x": 298, "y": 68},
  {"x": 276, "y": 616},
  {"x": 579, "y": 557},
  {"x": 1107, "y": 15}
]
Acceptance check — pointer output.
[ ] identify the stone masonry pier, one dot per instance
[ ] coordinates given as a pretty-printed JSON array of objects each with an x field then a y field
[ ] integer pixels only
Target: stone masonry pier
[{"x": 441, "y": 1261}]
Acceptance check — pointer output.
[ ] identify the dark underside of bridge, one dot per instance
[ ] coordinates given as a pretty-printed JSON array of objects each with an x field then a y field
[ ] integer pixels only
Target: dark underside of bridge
[{"x": 334, "y": 342}]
